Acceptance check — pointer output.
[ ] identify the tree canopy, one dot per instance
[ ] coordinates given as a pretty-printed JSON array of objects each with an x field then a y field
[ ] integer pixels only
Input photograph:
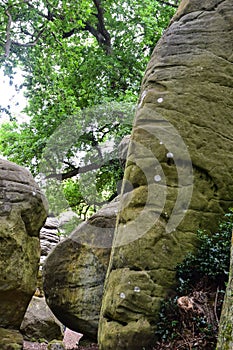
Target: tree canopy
[{"x": 79, "y": 58}]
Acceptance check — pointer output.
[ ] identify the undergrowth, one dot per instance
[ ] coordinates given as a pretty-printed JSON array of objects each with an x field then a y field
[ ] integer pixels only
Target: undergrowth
[{"x": 190, "y": 319}]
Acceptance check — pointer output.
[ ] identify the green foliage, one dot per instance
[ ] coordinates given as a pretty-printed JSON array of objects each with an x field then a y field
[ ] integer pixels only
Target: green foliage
[
  {"x": 85, "y": 147},
  {"x": 20, "y": 144},
  {"x": 83, "y": 60},
  {"x": 206, "y": 270},
  {"x": 212, "y": 259},
  {"x": 166, "y": 327},
  {"x": 55, "y": 196},
  {"x": 67, "y": 228},
  {"x": 76, "y": 199},
  {"x": 171, "y": 325},
  {"x": 108, "y": 179},
  {"x": 69, "y": 68}
]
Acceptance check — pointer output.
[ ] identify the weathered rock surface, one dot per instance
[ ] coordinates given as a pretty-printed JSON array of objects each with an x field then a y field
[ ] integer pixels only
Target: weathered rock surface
[
  {"x": 123, "y": 148},
  {"x": 185, "y": 110},
  {"x": 49, "y": 237},
  {"x": 40, "y": 323},
  {"x": 56, "y": 345},
  {"x": 22, "y": 214},
  {"x": 10, "y": 339},
  {"x": 71, "y": 339},
  {"x": 74, "y": 272}
]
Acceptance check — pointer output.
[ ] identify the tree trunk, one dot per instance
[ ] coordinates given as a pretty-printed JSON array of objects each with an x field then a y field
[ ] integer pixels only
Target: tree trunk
[{"x": 225, "y": 336}]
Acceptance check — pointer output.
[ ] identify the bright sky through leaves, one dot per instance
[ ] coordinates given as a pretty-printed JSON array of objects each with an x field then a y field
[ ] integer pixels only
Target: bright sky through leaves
[{"x": 9, "y": 96}]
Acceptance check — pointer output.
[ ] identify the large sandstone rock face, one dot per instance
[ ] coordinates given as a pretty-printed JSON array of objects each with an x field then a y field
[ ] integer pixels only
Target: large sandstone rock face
[
  {"x": 22, "y": 214},
  {"x": 185, "y": 110},
  {"x": 74, "y": 272}
]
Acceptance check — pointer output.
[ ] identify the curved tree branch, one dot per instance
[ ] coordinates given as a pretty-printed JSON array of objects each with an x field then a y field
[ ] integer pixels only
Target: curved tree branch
[
  {"x": 104, "y": 38},
  {"x": 100, "y": 33},
  {"x": 31, "y": 43},
  {"x": 168, "y": 3},
  {"x": 80, "y": 170},
  {"x": 8, "y": 34}
]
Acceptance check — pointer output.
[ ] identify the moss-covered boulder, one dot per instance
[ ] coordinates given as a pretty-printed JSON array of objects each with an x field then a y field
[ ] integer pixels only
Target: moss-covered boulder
[
  {"x": 74, "y": 272},
  {"x": 180, "y": 163},
  {"x": 22, "y": 214},
  {"x": 10, "y": 339}
]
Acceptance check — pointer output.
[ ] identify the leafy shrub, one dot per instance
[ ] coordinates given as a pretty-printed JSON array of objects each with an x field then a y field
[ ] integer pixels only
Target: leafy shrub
[
  {"x": 212, "y": 259},
  {"x": 206, "y": 270}
]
